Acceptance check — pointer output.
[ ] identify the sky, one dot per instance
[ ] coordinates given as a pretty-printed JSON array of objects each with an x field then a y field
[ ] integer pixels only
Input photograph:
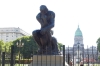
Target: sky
[{"x": 69, "y": 13}]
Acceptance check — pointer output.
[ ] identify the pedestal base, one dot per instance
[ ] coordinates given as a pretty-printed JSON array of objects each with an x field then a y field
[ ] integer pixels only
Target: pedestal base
[{"x": 47, "y": 60}]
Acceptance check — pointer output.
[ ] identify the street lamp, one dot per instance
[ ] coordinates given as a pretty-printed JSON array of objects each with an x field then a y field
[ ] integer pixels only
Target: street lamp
[{"x": 19, "y": 45}]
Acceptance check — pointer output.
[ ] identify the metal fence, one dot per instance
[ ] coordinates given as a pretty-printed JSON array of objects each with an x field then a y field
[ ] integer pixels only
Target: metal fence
[
  {"x": 72, "y": 55},
  {"x": 79, "y": 55},
  {"x": 14, "y": 58}
]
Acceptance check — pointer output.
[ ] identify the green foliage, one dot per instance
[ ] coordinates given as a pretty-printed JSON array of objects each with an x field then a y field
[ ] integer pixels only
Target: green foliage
[
  {"x": 4, "y": 47},
  {"x": 98, "y": 44},
  {"x": 99, "y": 57},
  {"x": 30, "y": 47},
  {"x": 1, "y": 45},
  {"x": 60, "y": 45},
  {"x": 7, "y": 47}
]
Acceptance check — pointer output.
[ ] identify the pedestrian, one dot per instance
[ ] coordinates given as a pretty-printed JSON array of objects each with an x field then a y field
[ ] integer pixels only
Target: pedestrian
[
  {"x": 70, "y": 63},
  {"x": 81, "y": 63}
]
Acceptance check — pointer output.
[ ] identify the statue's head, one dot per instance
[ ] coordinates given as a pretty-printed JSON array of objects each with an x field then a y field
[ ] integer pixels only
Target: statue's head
[{"x": 43, "y": 9}]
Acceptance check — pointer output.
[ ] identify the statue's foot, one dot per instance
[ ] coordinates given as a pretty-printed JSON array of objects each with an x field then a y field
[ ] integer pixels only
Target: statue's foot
[
  {"x": 39, "y": 52},
  {"x": 42, "y": 51}
]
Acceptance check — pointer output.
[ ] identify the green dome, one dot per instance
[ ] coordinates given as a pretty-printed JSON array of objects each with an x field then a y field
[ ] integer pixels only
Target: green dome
[{"x": 78, "y": 32}]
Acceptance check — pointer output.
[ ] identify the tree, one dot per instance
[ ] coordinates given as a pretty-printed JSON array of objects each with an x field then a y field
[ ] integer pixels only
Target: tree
[
  {"x": 98, "y": 44},
  {"x": 30, "y": 47},
  {"x": 99, "y": 57},
  {"x": 7, "y": 47},
  {"x": 1, "y": 47},
  {"x": 60, "y": 45}
]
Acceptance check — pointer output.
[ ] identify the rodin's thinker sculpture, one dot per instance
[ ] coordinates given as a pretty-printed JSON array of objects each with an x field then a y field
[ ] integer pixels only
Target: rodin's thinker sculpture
[{"x": 47, "y": 44}]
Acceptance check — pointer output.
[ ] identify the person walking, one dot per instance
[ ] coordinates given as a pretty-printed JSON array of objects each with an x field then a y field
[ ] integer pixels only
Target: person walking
[
  {"x": 81, "y": 63},
  {"x": 70, "y": 63}
]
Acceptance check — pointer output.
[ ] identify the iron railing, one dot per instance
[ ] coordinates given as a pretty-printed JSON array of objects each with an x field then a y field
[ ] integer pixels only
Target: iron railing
[{"x": 72, "y": 56}]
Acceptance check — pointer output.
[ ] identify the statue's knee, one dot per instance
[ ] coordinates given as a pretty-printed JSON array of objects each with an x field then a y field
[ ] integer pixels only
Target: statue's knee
[
  {"x": 34, "y": 33},
  {"x": 54, "y": 40}
]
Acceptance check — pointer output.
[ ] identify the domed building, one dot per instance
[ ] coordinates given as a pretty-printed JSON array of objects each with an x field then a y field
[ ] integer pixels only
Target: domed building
[
  {"x": 77, "y": 51},
  {"x": 78, "y": 40},
  {"x": 78, "y": 32}
]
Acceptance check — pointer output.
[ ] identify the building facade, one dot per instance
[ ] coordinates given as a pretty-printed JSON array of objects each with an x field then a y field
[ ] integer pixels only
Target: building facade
[
  {"x": 78, "y": 51},
  {"x": 11, "y": 33}
]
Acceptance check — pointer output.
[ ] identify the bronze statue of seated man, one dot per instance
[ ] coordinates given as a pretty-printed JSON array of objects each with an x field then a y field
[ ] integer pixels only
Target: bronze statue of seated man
[{"x": 47, "y": 44}]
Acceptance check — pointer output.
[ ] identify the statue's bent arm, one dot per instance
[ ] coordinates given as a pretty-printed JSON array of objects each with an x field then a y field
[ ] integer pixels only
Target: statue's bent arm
[{"x": 51, "y": 22}]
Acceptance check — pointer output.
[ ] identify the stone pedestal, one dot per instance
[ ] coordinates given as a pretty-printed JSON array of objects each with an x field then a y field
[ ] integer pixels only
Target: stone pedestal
[{"x": 47, "y": 60}]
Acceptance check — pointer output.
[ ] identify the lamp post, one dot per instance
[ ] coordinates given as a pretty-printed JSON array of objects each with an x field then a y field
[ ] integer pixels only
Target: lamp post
[{"x": 19, "y": 45}]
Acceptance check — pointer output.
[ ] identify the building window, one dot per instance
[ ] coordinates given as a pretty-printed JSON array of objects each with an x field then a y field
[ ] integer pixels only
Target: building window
[{"x": 7, "y": 34}]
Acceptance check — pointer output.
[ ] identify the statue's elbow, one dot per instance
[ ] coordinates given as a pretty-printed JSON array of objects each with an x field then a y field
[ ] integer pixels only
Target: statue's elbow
[
  {"x": 53, "y": 25},
  {"x": 38, "y": 17},
  {"x": 52, "y": 21}
]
